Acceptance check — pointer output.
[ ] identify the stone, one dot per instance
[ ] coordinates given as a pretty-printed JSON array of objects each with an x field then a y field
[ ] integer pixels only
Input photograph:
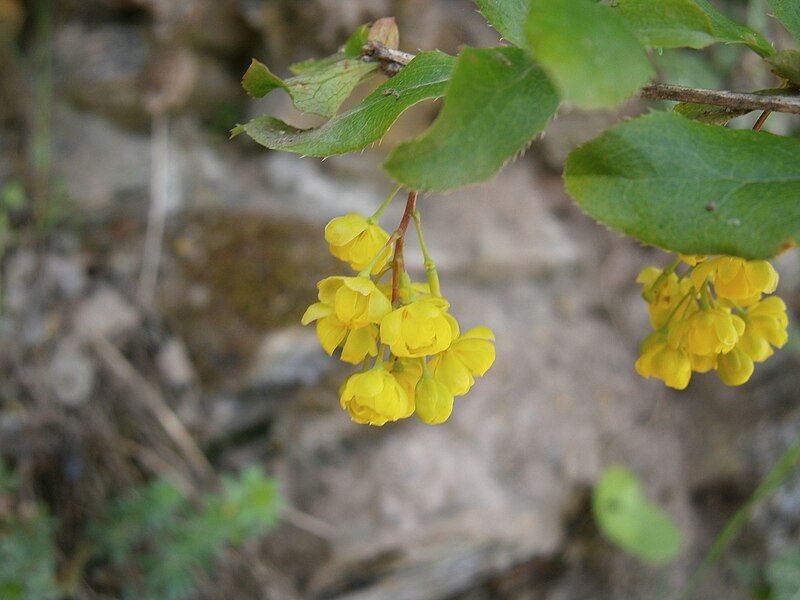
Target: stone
[
  {"x": 19, "y": 275},
  {"x": 209, "y": 24},
  {"x": 99, "y": 163},
  {"x": 102, "y": 68},
  {"x": 65, "y": 275},
  {"x": 105, "y": 313},
  {"x": 175, "y": 365},
  {"x": 288, "y": 356},
  {"x": 305, "y": 189},
  {"x": 514, "y": 233},
  {"x": 496, "y": 484},
  {"x": 70, "y": 374}
]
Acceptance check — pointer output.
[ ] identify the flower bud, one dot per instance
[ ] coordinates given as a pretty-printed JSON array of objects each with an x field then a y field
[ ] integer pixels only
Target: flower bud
[
  {"x": 375, "y": 397},
  {"x": 662, "y": 302},
  {"x": 712, "y": 331},
  {"x": 434, "y": 402},
  {"x": 355, "y": 240},
  {"x": 735, "y": 367},
  {"x": 659, "y": 359},
  {"x": 419, "y": 329}
]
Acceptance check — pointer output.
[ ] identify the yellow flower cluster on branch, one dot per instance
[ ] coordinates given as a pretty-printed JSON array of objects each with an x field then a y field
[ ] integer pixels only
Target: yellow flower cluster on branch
[
  {"x": 414, "y": 358},
  {"x": 711, "y": 316}
]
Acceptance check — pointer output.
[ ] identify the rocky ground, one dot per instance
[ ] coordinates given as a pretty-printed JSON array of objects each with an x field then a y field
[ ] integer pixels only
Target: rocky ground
[{"x": 493, "y": 504}]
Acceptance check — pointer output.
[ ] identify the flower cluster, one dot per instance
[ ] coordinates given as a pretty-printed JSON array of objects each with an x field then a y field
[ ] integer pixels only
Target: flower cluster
[
  {"x": 413, "y": 356},
  {"x": 711, "y": 316}
]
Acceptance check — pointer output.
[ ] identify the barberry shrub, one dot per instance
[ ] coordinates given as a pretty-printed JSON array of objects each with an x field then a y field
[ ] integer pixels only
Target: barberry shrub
[{"x": 726, "y": 200}]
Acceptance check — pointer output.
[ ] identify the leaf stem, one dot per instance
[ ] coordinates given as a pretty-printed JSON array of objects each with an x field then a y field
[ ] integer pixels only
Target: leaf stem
[
  {"x": 377, "y": 214},
  {"x": 761, "y": 120},
  {"x": 430, "y": 266}
]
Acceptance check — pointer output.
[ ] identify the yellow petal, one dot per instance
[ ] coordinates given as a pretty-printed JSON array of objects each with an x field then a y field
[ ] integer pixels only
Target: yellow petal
[
  {"x": 481, "y": 333},
  {"x": 328, "y": 288},
  {"x": 476, "y": 354},
  {"x": 360, "y": 342},
  {"x": 330, "y": 332},
  {"x": 316, "y": 311},
  {"x": 447, "y": 368},
  {"x": 341, "y": 230}
]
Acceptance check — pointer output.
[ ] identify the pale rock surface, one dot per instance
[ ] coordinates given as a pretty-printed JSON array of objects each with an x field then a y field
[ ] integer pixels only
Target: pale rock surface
[{"x": 105, "y": 313}]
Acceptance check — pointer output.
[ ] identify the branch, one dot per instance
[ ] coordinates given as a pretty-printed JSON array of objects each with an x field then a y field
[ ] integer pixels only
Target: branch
[
  {"x": 394, "y": 60},
  {"x": 734, "y": 100},
  {"x": 398, "y": 264}
]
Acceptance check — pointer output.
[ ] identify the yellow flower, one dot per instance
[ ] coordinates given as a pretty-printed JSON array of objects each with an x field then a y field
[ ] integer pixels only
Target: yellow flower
[
  {"x": 408, "y": 372},
  {"x": 736, "y": 278},
  {"x": 661, "y": 360},
  {"x": 735, "y": 367},
  {"x": 375, "y": 397},
  {"x": 356, "y": 301},
  {"x": 709, "y": 331},
  {"x": 692, "y": 259},
  {"x": 433, "y": 400},
  {"x": 662, "y": 301},
  {"x": 357, "y": 241},
  {"x": 347, "y": 315},
  {"x": 421, "y": 328},
  {"x": 703, "y": 364},
  {"x": 332, "y": 333},
  {"x": 469, "y": 356},
  {"x": 766, "y": 327}
]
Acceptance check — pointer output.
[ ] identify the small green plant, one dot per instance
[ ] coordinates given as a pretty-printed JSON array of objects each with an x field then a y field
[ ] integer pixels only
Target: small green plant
[
  {"x": 777, "y": 579},
  {"x": 27, "y": 550},
  {"x": 627, "y": 518},
  {"x": 159, "y": 539}
]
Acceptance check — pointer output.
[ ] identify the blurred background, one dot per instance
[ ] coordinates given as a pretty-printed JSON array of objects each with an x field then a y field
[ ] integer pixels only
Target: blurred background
[{"x": 169, "y": 430}]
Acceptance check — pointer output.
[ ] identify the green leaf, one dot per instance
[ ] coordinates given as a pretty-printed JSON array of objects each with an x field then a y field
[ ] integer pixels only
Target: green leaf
[
  {"x": 507, "y": 17},
  {"x": 788, "y": 13},
  {"x": 688, "y": 68},
  {"x": 783, "y": 576},
  {"x": 730, "y": 31},
  {"x": 786, "y": 64},
  {"x": 320, "y": 86},
  {"x": 424, "y": 78},
  {"x": 690, "y": 187},
  {"x": 722, "y": 115},
  {"x": 319, "y": 90},
  {"x": 668, "y": 23},
  {"x": 497, "y": 101},
  {"x": 383, "y": 31},
  {"x": 13, "y": 196},
  {"x": 588, "y": 50},
  {"x": 628, "y": 519},
  {"x": 707, "y": 113},
  {"x": 352, "y": 47}
]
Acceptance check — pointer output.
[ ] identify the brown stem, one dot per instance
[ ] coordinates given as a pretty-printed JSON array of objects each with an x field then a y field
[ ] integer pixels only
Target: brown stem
[
  {"x": 394, "y": 60},
  {"x": 398, "y": 264},
  {"x": 761, "y": 120}
]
